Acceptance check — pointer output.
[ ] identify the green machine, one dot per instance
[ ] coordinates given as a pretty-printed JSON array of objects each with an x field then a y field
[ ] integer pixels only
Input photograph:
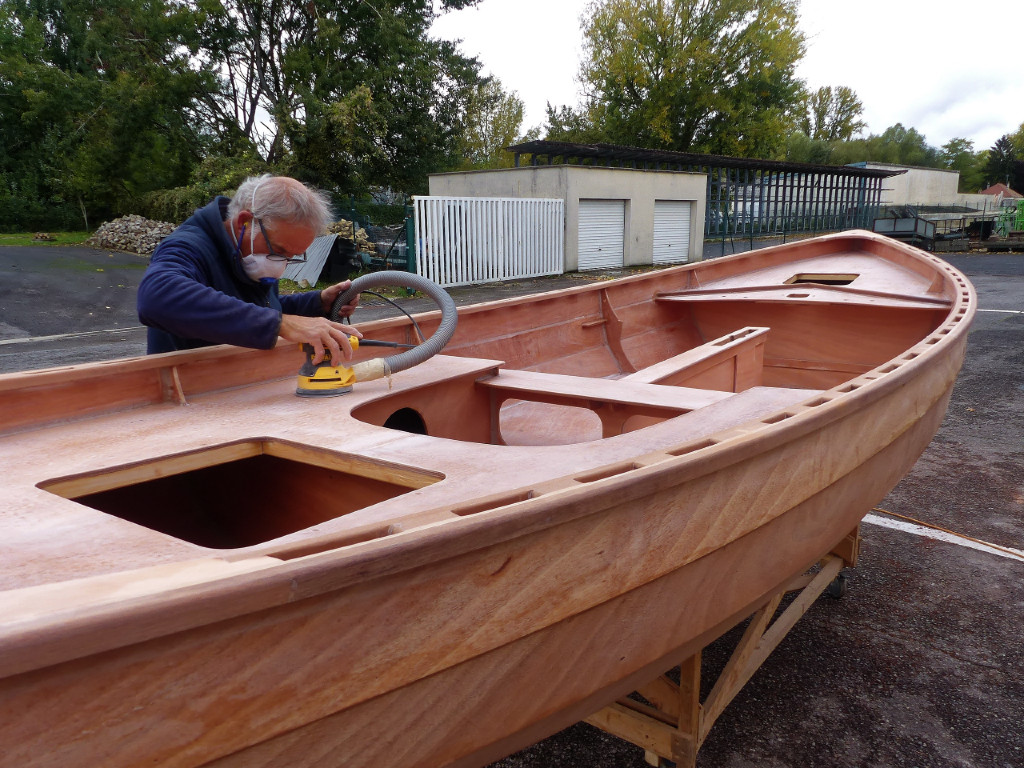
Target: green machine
[{"x": 1011, "y": 220}]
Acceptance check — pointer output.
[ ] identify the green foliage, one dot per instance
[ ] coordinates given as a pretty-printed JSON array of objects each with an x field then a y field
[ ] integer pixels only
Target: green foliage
[
  {"x": 212, "y": 177},
  {"x": 570, "y": 125},
  {"x": 958, "y": 154},
  {"x": 1001, "y": 162},
  {"x": 800, "y": 148},
  {"x": 693, "y": 75},
  {"x": 95, "y": 102},
  {"x": 112, "y": 108},
  {"x": 832, "y": 115},
  {"x": 897, "y": 145},
  {"x": 1017, "y": 141},
  {"x": 903, "y": 146},
  {"x": 357, "y": 93},
  {"x": 340, "y": 141},
  {"x": 363, "y": 211},
  {"x": 494, "y": 119}
]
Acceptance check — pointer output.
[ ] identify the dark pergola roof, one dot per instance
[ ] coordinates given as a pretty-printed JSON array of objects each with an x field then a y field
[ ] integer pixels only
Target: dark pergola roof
[{"x": 606, "y": 153}]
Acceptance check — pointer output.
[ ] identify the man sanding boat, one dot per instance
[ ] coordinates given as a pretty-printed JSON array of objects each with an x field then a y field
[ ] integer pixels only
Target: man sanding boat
[{"x": 214, "y": 279}]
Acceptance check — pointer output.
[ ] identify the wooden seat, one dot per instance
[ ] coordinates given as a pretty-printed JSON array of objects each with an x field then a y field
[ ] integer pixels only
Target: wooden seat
[
  {"x": 614, "y": 401},
  {"x": 732, "y": 363}
]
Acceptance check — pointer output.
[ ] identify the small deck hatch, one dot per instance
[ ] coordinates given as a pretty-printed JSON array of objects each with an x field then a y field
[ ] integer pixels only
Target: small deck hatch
[{"x": 822, "y": 278}]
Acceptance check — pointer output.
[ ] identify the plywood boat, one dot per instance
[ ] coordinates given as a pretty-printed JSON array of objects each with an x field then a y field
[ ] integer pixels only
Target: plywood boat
[{"x": 200, "y": 568}]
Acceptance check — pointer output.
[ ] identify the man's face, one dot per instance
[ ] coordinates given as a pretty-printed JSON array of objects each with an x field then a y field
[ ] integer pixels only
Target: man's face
[{"x": 277, "y": 239}]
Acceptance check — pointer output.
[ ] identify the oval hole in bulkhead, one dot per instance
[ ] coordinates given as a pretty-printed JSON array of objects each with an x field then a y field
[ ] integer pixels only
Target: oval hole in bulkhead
[{"x": 407, "y": 420}]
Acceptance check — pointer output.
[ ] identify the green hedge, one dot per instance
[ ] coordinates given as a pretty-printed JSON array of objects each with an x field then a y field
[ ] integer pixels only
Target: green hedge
[
  {"x": 378, "y": 213},
  {"x": 20, "y": 215}
]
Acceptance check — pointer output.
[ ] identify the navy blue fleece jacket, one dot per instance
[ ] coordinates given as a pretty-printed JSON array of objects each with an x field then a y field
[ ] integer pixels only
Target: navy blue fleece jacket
[{"x": 195, "y": 292}]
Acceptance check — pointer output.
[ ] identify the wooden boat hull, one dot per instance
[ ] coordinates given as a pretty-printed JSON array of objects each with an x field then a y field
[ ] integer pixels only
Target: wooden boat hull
[{"x": 456, "y": 640}]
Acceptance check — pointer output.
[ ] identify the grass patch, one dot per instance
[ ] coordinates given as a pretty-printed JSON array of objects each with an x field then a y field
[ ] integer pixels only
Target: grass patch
[
  {"x": 59, "y": 238},
  {"x": 285, "y": 286}
]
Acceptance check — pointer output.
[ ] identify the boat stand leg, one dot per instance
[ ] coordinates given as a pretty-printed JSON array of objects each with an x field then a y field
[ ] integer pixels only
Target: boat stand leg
[{"x": 669, "y": 721}]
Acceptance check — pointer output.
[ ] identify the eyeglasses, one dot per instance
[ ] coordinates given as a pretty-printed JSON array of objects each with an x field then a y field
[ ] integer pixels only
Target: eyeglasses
[{"x": 298, "y": 258}]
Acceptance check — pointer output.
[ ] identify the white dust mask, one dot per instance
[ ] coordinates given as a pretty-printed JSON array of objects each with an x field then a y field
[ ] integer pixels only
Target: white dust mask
[{"x": 260, "y": 265}]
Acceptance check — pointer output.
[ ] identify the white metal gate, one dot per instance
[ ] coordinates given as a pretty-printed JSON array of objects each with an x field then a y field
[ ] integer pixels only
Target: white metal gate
[
  {"x": 602, "y": 228},
  {"x": 671, "y": 231},
  {"x": 466, "y": 240}
]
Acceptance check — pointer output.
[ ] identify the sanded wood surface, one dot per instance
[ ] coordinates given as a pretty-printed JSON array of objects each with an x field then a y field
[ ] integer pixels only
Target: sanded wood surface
[{"x": 198, "y": 566}]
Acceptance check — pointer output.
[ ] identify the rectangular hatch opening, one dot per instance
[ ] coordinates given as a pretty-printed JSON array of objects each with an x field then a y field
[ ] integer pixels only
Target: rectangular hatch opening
[{"x": 240, "y": 494}]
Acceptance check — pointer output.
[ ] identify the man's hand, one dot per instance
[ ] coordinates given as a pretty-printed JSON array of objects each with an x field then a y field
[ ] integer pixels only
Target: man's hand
[
  {"x": 328, "y": 295},
  {"x": 322, "y": 333}
]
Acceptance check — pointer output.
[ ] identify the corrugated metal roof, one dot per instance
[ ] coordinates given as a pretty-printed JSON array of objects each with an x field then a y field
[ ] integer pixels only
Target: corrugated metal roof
[
  {"x": 609, "y": 152},
  {"x": 316, "y": 258}
]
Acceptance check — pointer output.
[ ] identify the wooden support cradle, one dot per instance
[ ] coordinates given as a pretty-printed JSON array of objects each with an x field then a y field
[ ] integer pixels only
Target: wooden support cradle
[{"x": 673, "y": 723}]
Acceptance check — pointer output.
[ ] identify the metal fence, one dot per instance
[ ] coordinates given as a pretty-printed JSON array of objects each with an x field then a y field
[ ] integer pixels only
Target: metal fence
[
  {"x": 745, "y": 202},
  {"x": 467, "y": 240},
  {"x": 390, "y": 249}
]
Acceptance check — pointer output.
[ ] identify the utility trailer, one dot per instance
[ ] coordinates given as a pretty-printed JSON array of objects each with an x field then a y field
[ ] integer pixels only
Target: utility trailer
[{"x": 910, "y": 229}]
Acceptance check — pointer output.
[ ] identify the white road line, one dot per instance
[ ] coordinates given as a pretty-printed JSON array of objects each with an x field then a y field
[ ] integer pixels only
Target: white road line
[
  {"x": 952, "y": 538},
  {"x": 1005, "y": 311},
  {"x": 27, "y": 339}
]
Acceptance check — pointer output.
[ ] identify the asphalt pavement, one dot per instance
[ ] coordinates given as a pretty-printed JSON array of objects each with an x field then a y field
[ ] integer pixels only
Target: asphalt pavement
[{"x": 921, "y": 664}]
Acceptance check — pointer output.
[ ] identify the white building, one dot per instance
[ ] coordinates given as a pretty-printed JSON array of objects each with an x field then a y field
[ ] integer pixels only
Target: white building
[{"x": 614, "y": 217}]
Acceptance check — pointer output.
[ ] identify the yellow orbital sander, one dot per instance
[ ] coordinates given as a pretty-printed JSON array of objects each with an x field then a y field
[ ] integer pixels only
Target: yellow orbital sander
[{"x": 326, "y": 380}]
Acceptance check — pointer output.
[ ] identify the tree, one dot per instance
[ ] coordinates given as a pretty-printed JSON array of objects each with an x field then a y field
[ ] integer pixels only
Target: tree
[
  {"x": 801, "y": 148},
  {"x": 833, "y": 115},
  {"x": 571, "y": 125},
  {"x": 104, "y": 106},
  {"x": 494, "y": 120},
  {"x": 1017, "y": 141},
  {"x": 901, "y": 146},
  {"x": 958, "y": 154},
  {"x": 693, "y": 75},
  {"x": 338, "y": 93},
  {"x": 95, "y": 101},
  {"x": 1000, "y": 165}
]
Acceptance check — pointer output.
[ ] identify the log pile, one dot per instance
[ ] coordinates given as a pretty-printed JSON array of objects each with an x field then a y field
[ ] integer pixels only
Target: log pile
[
  {"x": 131, "y": 234},
  {"x": 346, "y": 230}
]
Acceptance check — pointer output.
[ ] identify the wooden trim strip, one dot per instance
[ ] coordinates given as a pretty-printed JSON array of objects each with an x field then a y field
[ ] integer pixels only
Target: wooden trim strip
[{"x": 845, "y": 292}]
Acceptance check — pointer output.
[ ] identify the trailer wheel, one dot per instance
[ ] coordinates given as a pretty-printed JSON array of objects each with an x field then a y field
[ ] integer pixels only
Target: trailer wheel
[{"x": 839, "y": 586}]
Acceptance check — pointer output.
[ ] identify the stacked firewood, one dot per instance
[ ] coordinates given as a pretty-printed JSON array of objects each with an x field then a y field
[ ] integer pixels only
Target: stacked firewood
[
  {"x": 346, "y": 230},
  {"x": 131, "y": 234}
]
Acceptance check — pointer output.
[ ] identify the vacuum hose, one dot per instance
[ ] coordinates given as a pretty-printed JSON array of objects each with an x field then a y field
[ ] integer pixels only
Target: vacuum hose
[{"x": 385, "y": 366}]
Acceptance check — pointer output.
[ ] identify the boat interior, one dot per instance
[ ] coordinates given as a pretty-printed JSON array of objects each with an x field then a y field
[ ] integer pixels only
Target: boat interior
[{"x": 581, "y": 366}]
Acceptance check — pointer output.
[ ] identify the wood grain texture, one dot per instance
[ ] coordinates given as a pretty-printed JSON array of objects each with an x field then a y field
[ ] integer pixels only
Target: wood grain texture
[{"x": 198, "y": 567}]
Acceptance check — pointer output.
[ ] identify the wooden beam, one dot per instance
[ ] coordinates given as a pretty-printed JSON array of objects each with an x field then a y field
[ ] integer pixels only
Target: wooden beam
[
  {"x": 651, "y": 727},
  {"x": 849, "y": 548}
]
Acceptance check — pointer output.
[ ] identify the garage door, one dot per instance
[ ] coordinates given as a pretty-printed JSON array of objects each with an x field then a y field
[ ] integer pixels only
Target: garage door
[
  {"x": 671, "y": 231},
  {"x": 602, "y": 231}
]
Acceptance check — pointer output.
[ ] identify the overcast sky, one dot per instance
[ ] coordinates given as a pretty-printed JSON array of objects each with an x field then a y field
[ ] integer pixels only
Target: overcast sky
[{"x": 947, "y": 68}]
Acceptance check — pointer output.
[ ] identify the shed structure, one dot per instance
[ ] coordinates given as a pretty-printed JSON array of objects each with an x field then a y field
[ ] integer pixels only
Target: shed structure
[
  {"x": 743, "y": 196},
  {"x": 614, "y": 217}
]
